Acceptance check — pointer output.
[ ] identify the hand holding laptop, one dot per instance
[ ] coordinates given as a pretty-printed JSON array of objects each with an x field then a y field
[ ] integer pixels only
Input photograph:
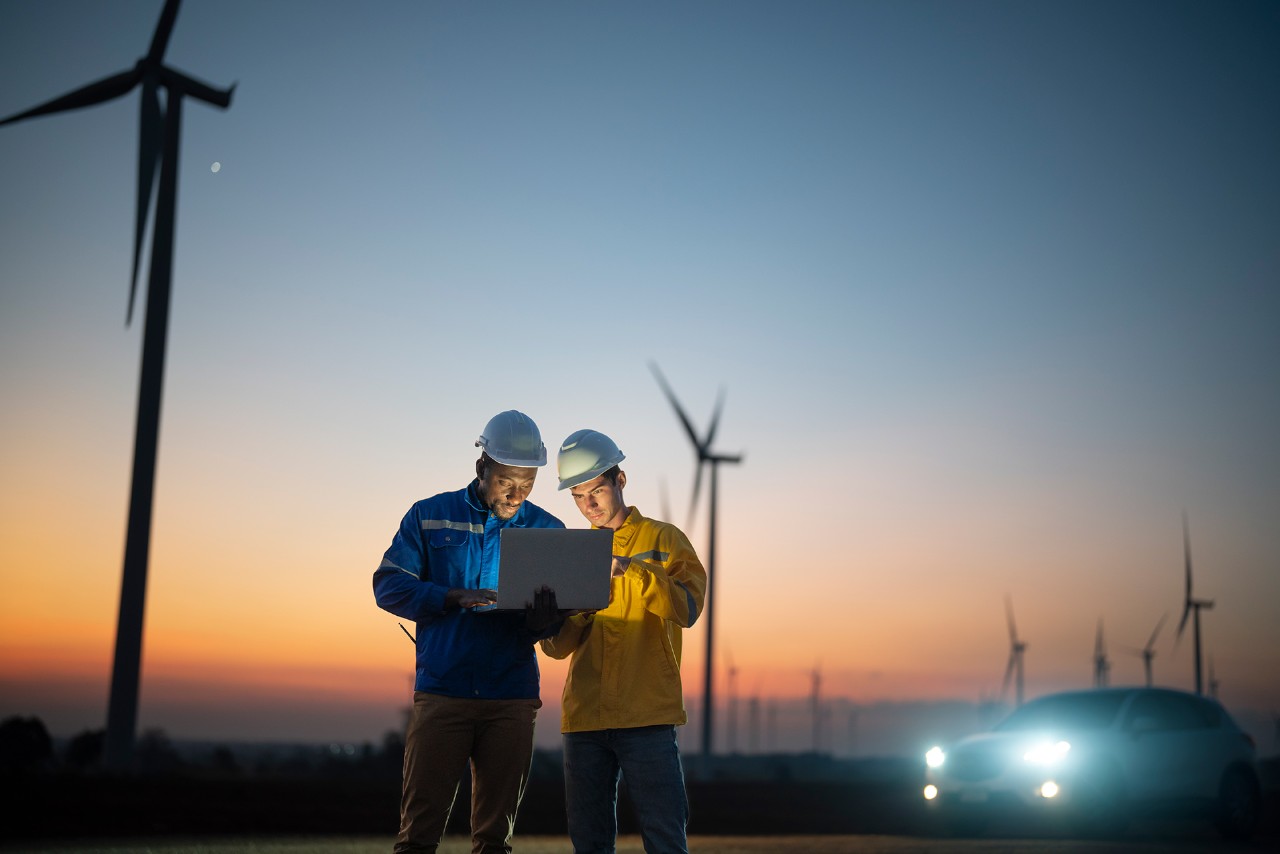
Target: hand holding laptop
[
  {"x": 461, "y": 598},
  {"x": 541, "y": 613}
]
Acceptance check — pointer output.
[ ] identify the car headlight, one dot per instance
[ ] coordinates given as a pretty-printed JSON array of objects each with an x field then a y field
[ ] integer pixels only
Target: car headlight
[
  {"x": 1047, "y": 753},
  {"x": 935, "y": 757}
]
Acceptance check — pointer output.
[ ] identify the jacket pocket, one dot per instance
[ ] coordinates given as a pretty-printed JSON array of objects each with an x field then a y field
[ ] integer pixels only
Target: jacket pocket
[
  {"x": 446, "y": 538},
  {"x": 447, "y": 556}
]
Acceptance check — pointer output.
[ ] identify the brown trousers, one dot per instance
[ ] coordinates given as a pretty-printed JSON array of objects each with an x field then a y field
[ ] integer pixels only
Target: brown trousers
[{"x": 496, "y": 737}]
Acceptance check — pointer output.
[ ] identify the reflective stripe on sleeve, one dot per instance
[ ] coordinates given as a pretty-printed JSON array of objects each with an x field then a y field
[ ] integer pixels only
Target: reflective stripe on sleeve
[
  {"x": 693, "y": 606},
  {"x": 438, "y": 524},
  {"x": 387, "y": 564}
]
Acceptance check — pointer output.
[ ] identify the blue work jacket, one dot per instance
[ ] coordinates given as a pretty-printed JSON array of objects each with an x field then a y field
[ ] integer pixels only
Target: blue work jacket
[{"x": 446, "y": 541}]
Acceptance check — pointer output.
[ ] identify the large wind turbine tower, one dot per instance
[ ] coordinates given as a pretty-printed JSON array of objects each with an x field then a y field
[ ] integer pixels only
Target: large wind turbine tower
[
  {"x": 159, "y": 132},
  {"x": 702, "y": 447}
]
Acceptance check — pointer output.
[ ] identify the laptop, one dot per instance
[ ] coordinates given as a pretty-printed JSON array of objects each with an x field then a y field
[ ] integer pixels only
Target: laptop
[{"x": 575, "y": 563}]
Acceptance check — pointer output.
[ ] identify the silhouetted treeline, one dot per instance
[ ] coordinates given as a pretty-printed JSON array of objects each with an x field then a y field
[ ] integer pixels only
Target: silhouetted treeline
[{"x": 26, "y": 748}]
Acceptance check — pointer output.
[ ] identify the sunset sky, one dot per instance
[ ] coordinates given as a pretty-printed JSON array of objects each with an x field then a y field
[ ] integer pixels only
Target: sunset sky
[{"x": 992, "y": 290}]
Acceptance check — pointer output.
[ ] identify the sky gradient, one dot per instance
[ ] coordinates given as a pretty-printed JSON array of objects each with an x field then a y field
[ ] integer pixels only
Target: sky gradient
[{"x": 992, "y": 288}]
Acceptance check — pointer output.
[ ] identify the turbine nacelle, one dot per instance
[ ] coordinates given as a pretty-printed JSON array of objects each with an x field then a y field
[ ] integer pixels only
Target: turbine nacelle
[{"x": 701, "y": 447}]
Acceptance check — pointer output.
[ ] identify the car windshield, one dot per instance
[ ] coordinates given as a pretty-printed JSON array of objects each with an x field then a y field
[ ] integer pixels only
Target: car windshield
[{"x": 1071, "y": 711}]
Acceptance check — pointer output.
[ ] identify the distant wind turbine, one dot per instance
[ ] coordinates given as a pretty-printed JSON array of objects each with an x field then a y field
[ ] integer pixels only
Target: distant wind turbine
[
  {"x": 158, "y": 137},
  {"x": 1148, "y": 652},
  {"x": 1192, "y": 605},
  {"x": 702, "y": 447},
  {"x": 733, "y": 703},
  {"x": 1016, "y": 650},
  {"x": 753, "y": 722},
  {"x": 1213, "y": 681},
  {"x": 815, "y": 700},
  {"x": 1101, "y": 667}
]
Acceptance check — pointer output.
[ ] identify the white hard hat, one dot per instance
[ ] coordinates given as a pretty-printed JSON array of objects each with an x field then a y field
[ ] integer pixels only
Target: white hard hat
[
  {"x": 512, "y": 439},
  {"x": 586, "y": 455}
]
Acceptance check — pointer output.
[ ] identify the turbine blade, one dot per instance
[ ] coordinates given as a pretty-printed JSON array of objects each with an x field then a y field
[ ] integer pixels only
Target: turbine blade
[
  {"x": 1186, "y": 550},
  {"x": 715, "y": 419},
  {"x": 697, "y": 490},
  {"x": 664, "y": 500},
  {"x": 1151, "y": 643},
  {"x": 1008, "y": 610},
  {"x": 1008, "y": 673},
  {"x": 164, "y": 28},
  {"x": 86, "y": 96},
  {"x": 176, "y": 81},
  {"x": 150, "y": 139},
  {"x": 684, "y": 419},
  {"x": 1182, "y": 624}
]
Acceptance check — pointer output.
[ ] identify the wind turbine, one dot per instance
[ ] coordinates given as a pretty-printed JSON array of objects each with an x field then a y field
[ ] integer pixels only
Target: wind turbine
[
  {"x": 1101, "y": 667},
  {"x": 753, "y": 722},
  {"x": 1148, "y": 652},
  {"x": 1016, "y": 650},
  {"x": 733, "y": 703},
  {"x": 815, "y": 700},
  {"x": 1191, "y": 604},
  {"x": 702, "y": 447},
  {"x": 158, "y": 137}
]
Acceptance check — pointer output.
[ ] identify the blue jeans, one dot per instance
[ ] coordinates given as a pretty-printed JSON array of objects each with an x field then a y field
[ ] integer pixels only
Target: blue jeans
[{"x": 649, "y": 759}]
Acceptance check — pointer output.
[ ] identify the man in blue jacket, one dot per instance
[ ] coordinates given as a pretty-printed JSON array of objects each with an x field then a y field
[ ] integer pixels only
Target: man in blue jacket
[{"x": 476, "y": 689}]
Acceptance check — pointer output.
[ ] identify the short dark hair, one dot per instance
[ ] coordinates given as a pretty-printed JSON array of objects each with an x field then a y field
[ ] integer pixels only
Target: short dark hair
[{"x": 612, "y": 474}]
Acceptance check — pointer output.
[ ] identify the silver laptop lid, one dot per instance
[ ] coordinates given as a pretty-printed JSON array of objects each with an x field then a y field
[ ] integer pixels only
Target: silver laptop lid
[{"x": 575, "y": 563}]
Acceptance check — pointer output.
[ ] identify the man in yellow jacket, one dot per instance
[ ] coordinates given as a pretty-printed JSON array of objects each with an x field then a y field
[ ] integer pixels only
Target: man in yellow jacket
[{"x": 622, "y": 698}]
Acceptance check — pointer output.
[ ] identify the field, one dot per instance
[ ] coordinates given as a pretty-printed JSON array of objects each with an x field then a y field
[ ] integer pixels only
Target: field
[{"x": 351, "y": 814}]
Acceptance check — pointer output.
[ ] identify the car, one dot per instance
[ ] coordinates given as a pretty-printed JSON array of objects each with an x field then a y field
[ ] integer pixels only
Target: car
[{"x": 1096, "y": 758}]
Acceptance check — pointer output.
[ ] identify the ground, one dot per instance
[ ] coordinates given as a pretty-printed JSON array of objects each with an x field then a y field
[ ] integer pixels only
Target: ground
[{"x": 1147, "y": 844}]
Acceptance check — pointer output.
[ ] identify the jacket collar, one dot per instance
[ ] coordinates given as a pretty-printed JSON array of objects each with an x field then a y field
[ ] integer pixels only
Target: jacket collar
[
  {"x": 473, "y": 496},
  {"x": 630, "y": 526}
]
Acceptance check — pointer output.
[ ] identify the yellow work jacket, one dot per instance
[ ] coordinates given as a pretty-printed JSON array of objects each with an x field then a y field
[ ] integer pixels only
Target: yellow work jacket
[{"x": 625, "y": 666}]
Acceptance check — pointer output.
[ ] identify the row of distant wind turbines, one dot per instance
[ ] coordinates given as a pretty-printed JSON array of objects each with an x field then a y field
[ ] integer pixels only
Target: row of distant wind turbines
[{"x": 1191, "y": 608}]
